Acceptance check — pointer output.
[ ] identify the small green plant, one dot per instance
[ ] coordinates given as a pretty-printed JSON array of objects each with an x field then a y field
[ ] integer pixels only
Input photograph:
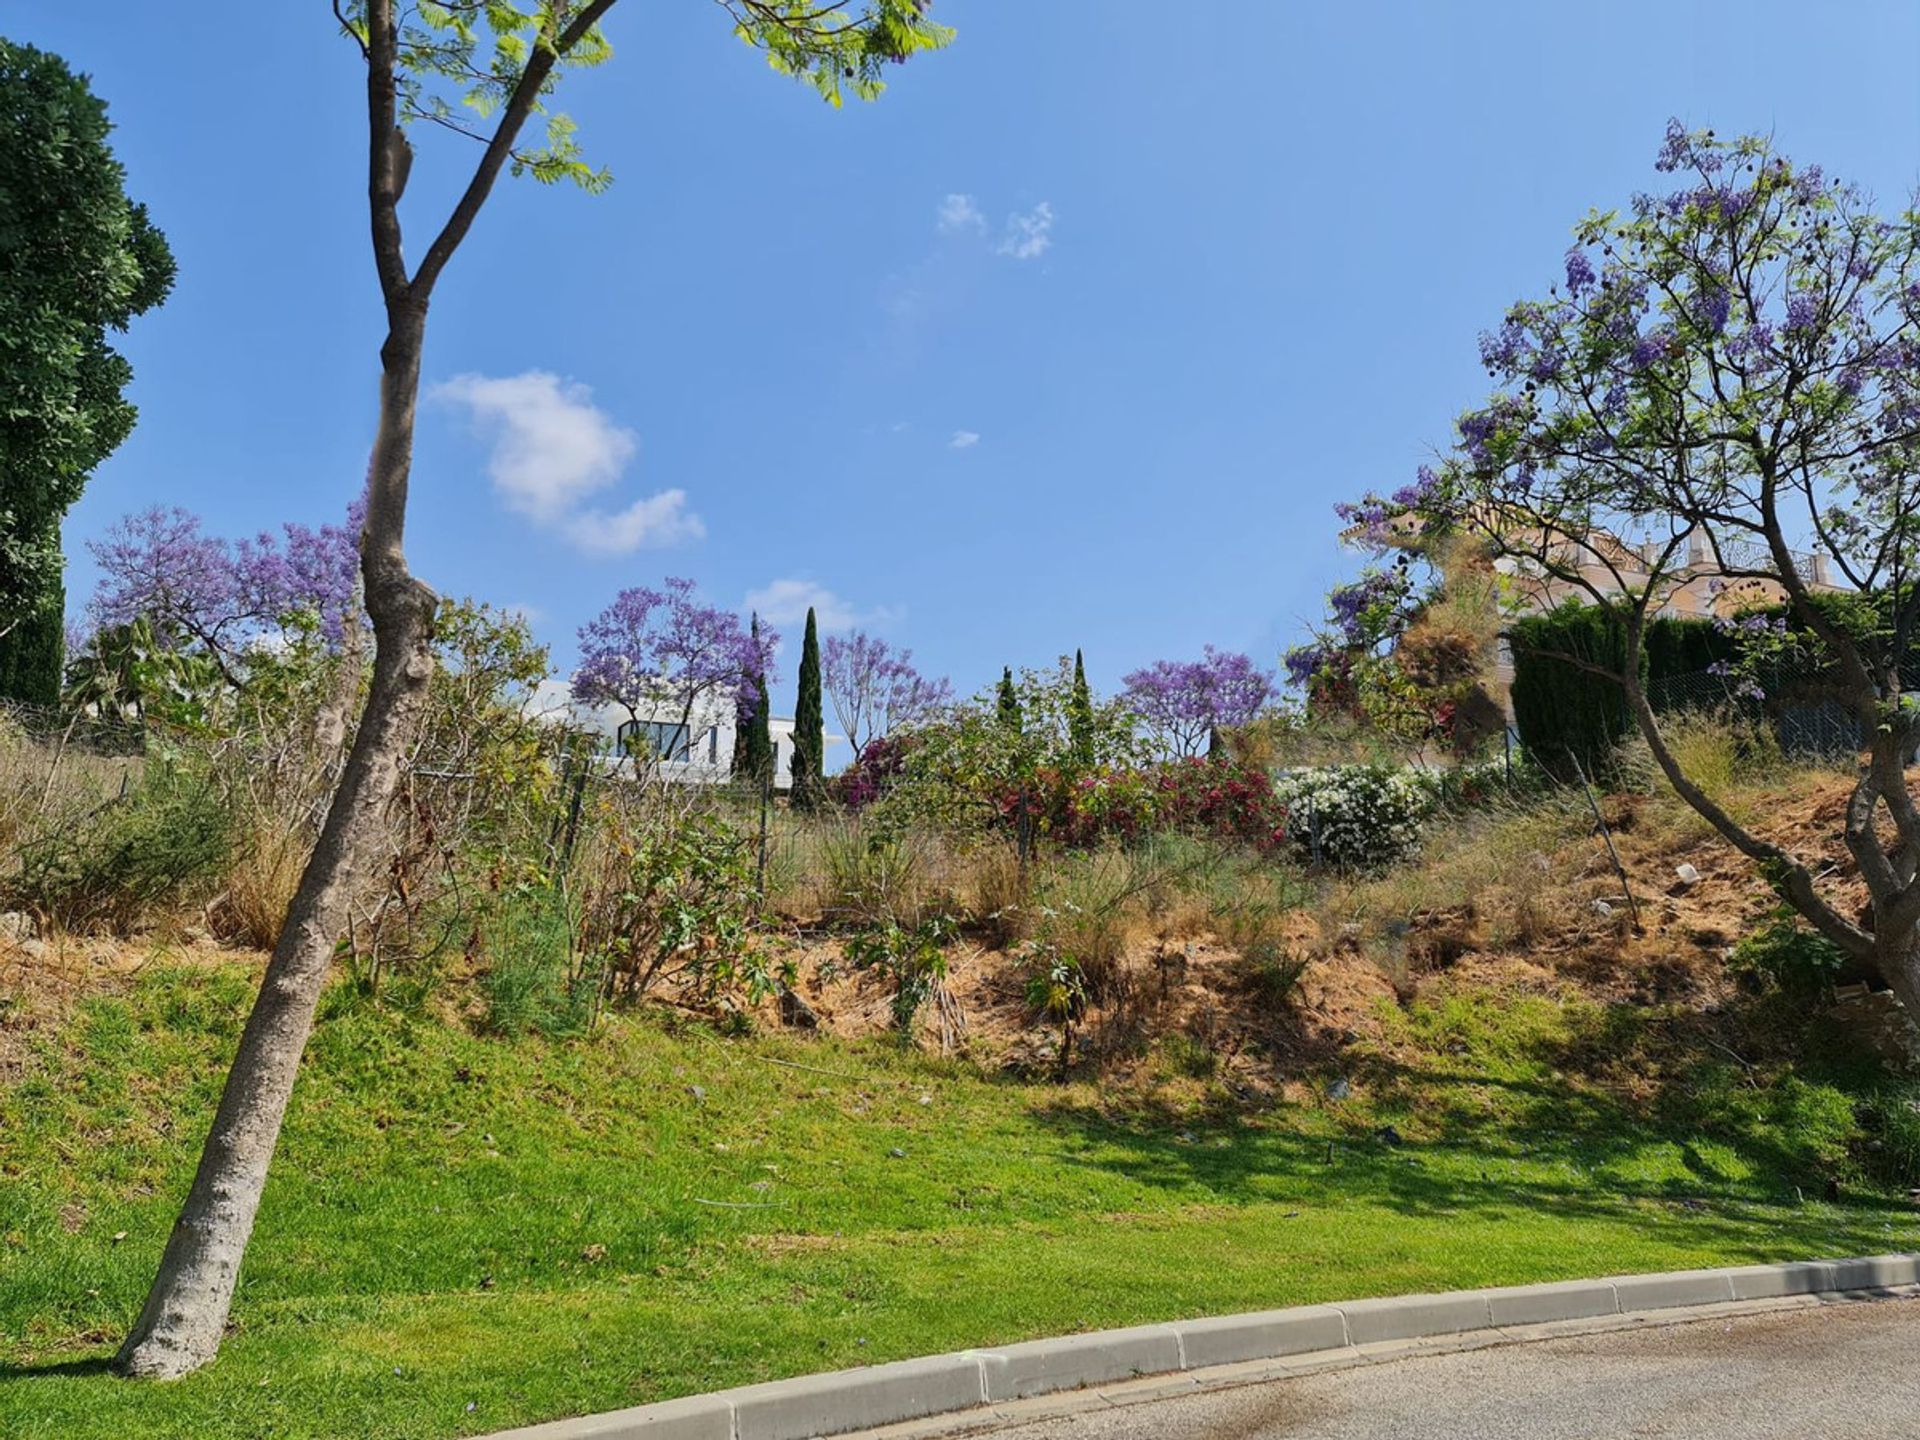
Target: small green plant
[
  {"x": 914, "y": 959},
  {"x": 1057, "y": 991},
  {"x": 531, "y": 979},
  {"x": 1891, "y": 1119},
  {"x": 1786, "y": 953},
  {"x": 1270, "y": 970},
  {"x": 1189, "y": 1055}
]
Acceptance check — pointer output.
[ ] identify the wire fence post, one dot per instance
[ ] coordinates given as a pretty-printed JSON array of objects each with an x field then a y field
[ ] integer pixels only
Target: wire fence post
[
  {"x": 1606, "y": 834},
  {"x": 573, "y": 813},
  {"x": 766, "y": 805}
]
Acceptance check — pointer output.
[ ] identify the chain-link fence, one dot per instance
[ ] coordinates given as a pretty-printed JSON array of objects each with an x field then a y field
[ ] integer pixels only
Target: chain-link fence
[
  {"x": 1795, "y": 702},
  {"x": 94, "y": 733}
]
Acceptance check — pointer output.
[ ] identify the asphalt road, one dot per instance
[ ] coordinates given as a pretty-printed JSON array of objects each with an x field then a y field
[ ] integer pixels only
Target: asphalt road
[{"x": 1848, "y": 1371}]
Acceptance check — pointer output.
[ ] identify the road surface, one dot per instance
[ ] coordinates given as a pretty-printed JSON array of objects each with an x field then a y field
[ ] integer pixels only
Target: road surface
[{"x": 1849, "y": 1371}]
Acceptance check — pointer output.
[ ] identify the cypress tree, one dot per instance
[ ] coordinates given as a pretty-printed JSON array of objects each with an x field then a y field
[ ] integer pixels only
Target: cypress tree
[
  {"x": 753, "y": 754},
  {"x": 1009, "y": 700},
  {"x": 809, "y": 726},
  {"x": 1080, "y": 717}
]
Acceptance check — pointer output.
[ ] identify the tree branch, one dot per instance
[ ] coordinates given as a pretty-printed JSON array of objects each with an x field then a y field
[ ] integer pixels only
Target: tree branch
[{"x": 500, "y": 148}]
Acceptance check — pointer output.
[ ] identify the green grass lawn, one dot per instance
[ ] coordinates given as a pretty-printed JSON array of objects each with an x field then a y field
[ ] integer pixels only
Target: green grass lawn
[{"x": 464, "y": 1233}]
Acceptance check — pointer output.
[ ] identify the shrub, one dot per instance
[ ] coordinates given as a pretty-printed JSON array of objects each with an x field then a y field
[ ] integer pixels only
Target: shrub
[
  {"x": 913, "y": 959},
  {"x": 1357, "y": 817},
  {"x": 268, "y": 858},
  {"x": 670, "y": 898},
  {"x": 1271, "y": 970},
  {"x": 1785, "y": 952},
  {"x": 1057, "y": 992},
  {"x": 531, "y": 978},
  {"x": 116, "y": 864},
  {"x": 999, "y": 893},
  {"x": 1214, "y": 796},
  {"x": 875, "y": 772},
  {"x": 1086, "y": 914},
  {"x": 876, "y": 874}
]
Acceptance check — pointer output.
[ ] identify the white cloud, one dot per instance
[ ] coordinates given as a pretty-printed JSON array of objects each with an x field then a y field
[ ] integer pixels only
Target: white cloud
[
  {"x": 958, "y": 212},
  {"x": 553, "y": 449},
  {"x": 786, "y": 602},
  {"x": 964, "y": 440},
  {"x": 1029, "y": 236},
  {"x": 650, "y": 524}
]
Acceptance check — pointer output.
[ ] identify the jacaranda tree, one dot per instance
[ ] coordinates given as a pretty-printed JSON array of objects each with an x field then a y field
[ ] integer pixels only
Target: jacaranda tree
[
  {"x": 1183, "y": 703},
  {"x": 77, "y": 259},
  {"x": 220, "y": 598},
  {"x": 484, "y": 69},
  {"x": 875, "y": 689},
  {"x": 1728, "y": 382},
  {"x": 660, "y": 654}
]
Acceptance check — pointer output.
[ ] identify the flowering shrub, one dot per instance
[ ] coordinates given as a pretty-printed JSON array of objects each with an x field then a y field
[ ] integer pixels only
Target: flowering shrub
[
  {"x": 1364, "y": 816},
  {"x": 880, "y": 764},
  {"x": 1219, "y": 797}
]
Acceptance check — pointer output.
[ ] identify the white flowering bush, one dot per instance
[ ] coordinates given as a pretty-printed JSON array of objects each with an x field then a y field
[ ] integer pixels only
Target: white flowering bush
[{"x": 1365, "y": 816}]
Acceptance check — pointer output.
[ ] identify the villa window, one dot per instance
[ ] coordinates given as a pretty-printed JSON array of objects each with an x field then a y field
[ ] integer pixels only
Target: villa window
[{"x": 663, "y": 741}]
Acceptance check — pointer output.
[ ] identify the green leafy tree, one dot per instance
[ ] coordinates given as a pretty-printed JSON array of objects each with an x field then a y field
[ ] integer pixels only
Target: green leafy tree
[
  {"x": 962, "y": 769},
  {"x": 77, "y": 259},
  {"x": 809, "y": 724},
  {"x": 753, "y": 755},
  {"x": 486, "y": 70},
  {"x": 1080, "y": 725},
  {"x": 1726, "y": 391}
]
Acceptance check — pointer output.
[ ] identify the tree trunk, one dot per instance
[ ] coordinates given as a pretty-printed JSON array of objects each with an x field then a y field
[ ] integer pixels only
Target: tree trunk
[
  {"x": 185, "y": 1316},
  {"x": 330, "y": 724}
]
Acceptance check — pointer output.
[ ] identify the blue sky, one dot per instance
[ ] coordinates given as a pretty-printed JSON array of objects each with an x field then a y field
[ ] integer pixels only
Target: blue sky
[{"x": 1072, "y": 339}]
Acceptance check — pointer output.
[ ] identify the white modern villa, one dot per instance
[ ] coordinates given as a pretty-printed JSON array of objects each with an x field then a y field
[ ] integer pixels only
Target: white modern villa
[{"x": 698, "y": 751}]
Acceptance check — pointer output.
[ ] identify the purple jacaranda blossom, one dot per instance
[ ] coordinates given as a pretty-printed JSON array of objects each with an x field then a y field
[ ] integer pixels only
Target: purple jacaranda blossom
[
  {"x": 657, "y": 654},
  {"x": 1303, "y": 662},
  {"x": 197, "y": 589},
  {"x": 875, "y": 689},
  {"x": 1579, "y": 272},
  {"x": 1651, "y": 347},
  {"x": 1183, "y": 702},
  {"x": 1676, "y": 149},
  {"x": 1710, "y": 310},
  {"x": 1502, "y": 349},
  {"x": 1803, "y": 312}
]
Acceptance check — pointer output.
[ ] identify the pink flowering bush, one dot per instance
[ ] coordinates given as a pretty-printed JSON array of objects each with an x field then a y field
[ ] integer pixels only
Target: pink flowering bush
[{"x": 1216, "y": 797}]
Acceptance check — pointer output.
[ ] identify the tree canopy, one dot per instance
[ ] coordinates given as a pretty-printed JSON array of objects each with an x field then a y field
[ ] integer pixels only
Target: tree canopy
[{"x": 77, "y": 259}]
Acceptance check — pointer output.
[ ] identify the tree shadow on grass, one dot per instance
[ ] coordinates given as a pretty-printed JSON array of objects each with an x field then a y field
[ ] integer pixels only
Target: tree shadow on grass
[
  {"x": 1440, "y": 1180},
  {"x": 1493, "y": 1147},
  {"x": 11, "y": 1371}
]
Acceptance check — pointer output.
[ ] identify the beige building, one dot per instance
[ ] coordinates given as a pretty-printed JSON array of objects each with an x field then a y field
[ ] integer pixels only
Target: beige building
[{"x": 1697, "y": 589}]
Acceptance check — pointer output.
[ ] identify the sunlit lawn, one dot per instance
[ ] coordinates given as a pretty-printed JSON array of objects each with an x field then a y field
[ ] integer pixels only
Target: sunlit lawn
[{"x": 464, "y": 1233}]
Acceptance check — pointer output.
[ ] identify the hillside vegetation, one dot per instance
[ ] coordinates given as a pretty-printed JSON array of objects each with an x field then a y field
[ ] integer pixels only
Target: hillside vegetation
[{"x": 1287, "y": 1088}]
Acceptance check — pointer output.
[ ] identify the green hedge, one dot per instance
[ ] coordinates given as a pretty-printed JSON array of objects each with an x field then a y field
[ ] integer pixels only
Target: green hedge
[{"x": 1570, "y": 719}]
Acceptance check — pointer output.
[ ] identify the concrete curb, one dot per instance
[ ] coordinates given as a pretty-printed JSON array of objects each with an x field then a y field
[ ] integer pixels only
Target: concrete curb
[{"x": 844, "y": 1401}]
